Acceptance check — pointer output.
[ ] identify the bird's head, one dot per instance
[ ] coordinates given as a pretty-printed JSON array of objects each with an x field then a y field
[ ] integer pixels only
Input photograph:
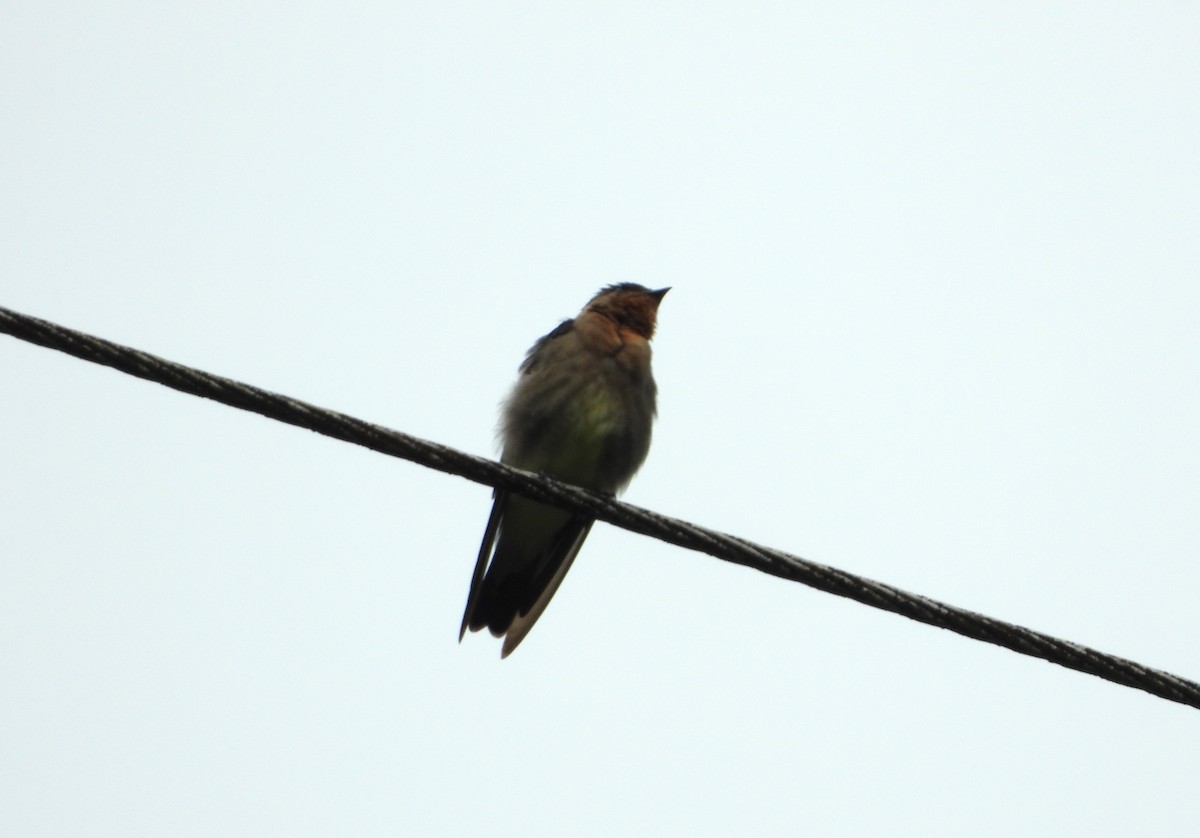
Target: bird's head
[{"x": 630, "y": 306}]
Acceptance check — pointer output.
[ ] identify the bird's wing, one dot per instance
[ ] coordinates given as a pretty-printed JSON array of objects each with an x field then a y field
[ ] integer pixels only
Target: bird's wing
[
  {"x": 573, "y": 535},
  {"x": 527, "y": 549},
  {"x": 485, "y": 553}
]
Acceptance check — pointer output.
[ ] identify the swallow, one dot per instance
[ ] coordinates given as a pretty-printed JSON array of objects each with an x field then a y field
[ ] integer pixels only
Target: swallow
[{"x": 581, "y": 411}]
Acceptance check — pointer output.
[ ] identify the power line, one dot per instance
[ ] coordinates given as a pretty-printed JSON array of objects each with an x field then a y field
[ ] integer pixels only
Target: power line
[{"x": 636, "y": 519}]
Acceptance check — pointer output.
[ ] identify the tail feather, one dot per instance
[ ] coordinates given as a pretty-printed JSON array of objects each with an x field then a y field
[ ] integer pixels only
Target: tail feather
[{"x": 527, "y": 549}]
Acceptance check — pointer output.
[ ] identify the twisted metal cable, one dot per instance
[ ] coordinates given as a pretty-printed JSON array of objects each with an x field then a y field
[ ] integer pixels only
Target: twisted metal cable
[{"x": 636, "y": 519}]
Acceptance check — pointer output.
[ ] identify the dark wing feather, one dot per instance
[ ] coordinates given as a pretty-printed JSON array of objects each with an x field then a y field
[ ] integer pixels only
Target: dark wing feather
[
  {"x": 512, "y": 583},
  {"x": 571, "y": 539},
  {"x": 485, "y": 553}
]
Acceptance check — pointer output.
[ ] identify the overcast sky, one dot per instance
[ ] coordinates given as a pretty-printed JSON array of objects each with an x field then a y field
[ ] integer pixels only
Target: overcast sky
[{"x": 936, "y": 282}]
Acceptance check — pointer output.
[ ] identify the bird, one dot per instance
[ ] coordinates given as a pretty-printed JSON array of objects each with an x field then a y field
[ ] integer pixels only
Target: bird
[{"x": 581, "y": 411}]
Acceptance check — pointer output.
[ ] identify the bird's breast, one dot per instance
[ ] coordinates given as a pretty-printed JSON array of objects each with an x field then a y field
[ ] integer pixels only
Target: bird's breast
[{"x": 586, "y": 420}]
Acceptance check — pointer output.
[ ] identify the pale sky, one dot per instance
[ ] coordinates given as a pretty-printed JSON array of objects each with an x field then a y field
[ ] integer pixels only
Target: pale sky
[{"x": 936, "y": 282}]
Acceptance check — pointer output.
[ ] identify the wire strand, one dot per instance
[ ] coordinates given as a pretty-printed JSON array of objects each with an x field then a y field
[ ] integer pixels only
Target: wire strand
[{"x": 627, "y": 516}]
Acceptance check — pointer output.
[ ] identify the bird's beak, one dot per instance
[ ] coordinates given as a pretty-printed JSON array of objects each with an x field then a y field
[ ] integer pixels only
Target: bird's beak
[{"x": 659, "y": 294}]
